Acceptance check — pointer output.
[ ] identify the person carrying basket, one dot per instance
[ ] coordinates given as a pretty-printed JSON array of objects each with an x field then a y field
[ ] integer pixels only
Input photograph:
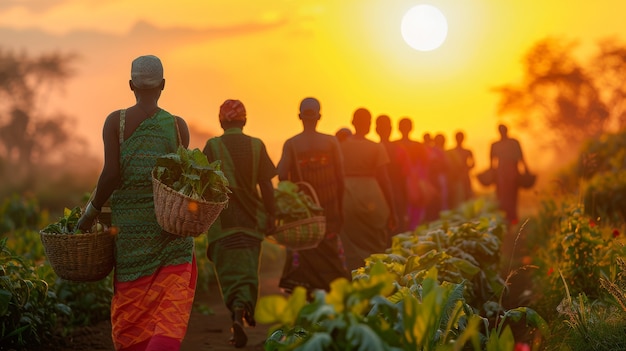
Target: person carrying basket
[
  {"x": 155, "y": 271},
  {"x": 235, "y": 237},
  {"x": 315, "y": 158}
]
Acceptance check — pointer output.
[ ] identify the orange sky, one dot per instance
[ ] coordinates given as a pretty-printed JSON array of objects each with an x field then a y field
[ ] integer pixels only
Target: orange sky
[{"x": 271, "y": 54}]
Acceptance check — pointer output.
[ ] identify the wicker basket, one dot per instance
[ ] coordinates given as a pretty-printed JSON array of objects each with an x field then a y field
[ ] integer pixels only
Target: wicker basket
[
  {"x": 487, "y": 177},
  {"x": 85, "y": 257},
  {"x": 302, "y": 234},
  {"x": 526, "y": 180},
  {"x": 181, "y": 215}
]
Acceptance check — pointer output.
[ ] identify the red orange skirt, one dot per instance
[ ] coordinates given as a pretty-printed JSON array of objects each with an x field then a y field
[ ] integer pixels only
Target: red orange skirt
[{"x": 152, "y": 313}]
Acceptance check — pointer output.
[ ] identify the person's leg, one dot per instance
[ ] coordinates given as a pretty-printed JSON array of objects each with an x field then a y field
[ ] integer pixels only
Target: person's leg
[{"x": 237, "y": 271}]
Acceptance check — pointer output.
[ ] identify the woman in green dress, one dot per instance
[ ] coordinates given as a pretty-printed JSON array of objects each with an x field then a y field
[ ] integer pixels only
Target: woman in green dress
[{"x": 155, "y": 271}]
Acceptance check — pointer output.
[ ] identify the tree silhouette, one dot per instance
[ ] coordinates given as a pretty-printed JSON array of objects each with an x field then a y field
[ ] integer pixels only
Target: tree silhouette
[
  {"x": 563, "y": 100},
  {"x": 26, "y": 133}
]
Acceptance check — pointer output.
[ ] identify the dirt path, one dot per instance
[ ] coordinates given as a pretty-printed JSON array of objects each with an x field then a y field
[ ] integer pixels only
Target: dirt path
[{"x": 212, "y": 332}]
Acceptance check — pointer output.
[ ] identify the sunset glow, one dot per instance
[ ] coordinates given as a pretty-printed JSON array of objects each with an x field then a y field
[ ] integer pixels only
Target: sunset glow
[{"x": 271, "y": 54}]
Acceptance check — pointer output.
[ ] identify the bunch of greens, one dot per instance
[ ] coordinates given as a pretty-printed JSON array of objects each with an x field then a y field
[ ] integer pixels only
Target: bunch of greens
[
  {"x": 292, "y": 204},
  {"x": 65, "y": 224},
  {"x": 190, "y": 173}
]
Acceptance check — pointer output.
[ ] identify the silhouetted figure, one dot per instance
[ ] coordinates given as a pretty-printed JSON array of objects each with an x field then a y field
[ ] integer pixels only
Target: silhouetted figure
[
  {"x": 315, "y": 158},
  {"x": 417, "y": 183},
  {"x": 368, "y": 202},
  {"x": 461, "y": 162},
  {"x": 439, "y": 177},
  {"x": 506, "y": 155},
  {"x": 397, "y": 169},
  {"x": 343, "y": 133}
]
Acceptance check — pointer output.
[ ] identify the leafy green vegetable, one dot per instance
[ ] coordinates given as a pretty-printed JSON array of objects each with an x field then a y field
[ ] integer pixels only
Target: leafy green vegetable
[
  {"x": 66, "y": 224},
  {"x": 190, "y": 173},
  {"x": 293, "y": 204}
]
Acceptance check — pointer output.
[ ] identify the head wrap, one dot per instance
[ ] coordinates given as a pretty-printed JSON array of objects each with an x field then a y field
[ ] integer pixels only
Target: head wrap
[
  {"x": 310, "y": 108},
  {"x": 232, "y": 110},
  {"x": 146, "y": 72}
]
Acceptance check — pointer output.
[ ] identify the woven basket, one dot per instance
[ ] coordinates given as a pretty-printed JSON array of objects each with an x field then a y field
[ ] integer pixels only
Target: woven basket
[
  {"x": 302, "y": 234},
  {"x": 181, "y": 215},
  {"x": 85, "y": 257},
  {"x": 487, "y": 177}
]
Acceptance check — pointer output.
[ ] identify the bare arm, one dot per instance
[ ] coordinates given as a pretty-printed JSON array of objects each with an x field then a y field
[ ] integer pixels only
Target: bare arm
[
  {"x": 110, "y": 177},
  {"x": 284, "y": 165}
]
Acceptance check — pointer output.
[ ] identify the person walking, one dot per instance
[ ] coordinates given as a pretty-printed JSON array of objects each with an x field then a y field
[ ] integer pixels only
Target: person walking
[
  {"x": 155, "y": 271},
  {"x": 506, "y": 156},
  {"x": 234, "y": 245},
  {"x": 315, "y": 158},
  {"x": 398, "y": 170},
  {"x": 462, "y": 162},
  {"x": 368, "y": 204},
  {"x": 419, "y": 190}
]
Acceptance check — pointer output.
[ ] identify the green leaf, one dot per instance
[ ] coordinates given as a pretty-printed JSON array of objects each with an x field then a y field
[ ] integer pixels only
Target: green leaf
[
  {"x": 363, "y": 338},
  {"x": 5, "y": 301}
]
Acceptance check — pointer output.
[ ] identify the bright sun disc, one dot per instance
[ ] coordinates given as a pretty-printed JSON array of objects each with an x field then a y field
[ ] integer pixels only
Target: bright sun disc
[{"x": 424, "y": 28}]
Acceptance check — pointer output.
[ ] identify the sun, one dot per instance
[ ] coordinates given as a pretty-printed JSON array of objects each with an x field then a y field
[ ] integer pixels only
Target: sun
[{"x": 424, "y": 28}]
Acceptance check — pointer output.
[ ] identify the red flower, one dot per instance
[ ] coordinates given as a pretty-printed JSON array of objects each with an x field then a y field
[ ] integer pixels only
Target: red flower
[
  {"x": 615, "y": 233},
  {"x": 550, "y": 271},
  {"x": 592, "y": 223},
  {"x": 520, "y": 346}
]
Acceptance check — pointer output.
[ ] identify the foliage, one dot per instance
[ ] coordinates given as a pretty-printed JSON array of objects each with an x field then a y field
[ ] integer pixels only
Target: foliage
[
  {"x": 411, "y": 298},
  {"x": 598, "y": 325},
  {"x": 376, "y": 314},
  {"x": 464, "y": 246},
  {"x": 573, "y": 99},
  {"x": 89, "y": 303},
  {"x": 189, "y": 172},
  {"x": 582, "y": 250},
  {"x": 29, "y": 310},
  {"x": 605, "y": 196},
  {"x": 293, "y": 204},
  {"x": 66, "y": 224},
  {"x": 19, "y": 212}
]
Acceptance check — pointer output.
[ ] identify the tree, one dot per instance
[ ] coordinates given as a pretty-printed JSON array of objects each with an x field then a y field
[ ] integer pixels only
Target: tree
[
  {"x": 564, "y": 101},
  {"x": 26, "y": 133}
]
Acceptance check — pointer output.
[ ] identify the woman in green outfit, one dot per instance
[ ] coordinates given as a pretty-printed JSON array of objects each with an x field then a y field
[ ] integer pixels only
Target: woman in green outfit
[
  {"x": 235, "y": 237},
  {"x": 155, "y": 271}
]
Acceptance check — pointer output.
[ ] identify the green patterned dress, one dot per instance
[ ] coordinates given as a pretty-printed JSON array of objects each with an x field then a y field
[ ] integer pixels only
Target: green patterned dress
[{"x": 142, "y": 246}]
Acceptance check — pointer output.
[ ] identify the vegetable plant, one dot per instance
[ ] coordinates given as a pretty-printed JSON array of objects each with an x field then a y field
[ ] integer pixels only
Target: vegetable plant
[
  {"x": 66, "y": 224},
  {"x": 190, "y": 173},
  {"x": 293, "y": 204}
]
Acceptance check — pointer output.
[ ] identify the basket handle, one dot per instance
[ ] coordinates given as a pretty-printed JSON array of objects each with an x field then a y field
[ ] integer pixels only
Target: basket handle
[{"x": 311, "y": 190}]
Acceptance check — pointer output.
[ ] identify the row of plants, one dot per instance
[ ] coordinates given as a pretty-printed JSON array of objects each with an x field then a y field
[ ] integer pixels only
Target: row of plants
[{"x": 436, "y": 288}]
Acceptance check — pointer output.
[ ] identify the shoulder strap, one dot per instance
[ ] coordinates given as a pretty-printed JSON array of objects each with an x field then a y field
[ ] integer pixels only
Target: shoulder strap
[
  {"x": 122, "y": 124},
  {"x": 180, "y": 142},
  {"x": 295, "y": 160}
]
